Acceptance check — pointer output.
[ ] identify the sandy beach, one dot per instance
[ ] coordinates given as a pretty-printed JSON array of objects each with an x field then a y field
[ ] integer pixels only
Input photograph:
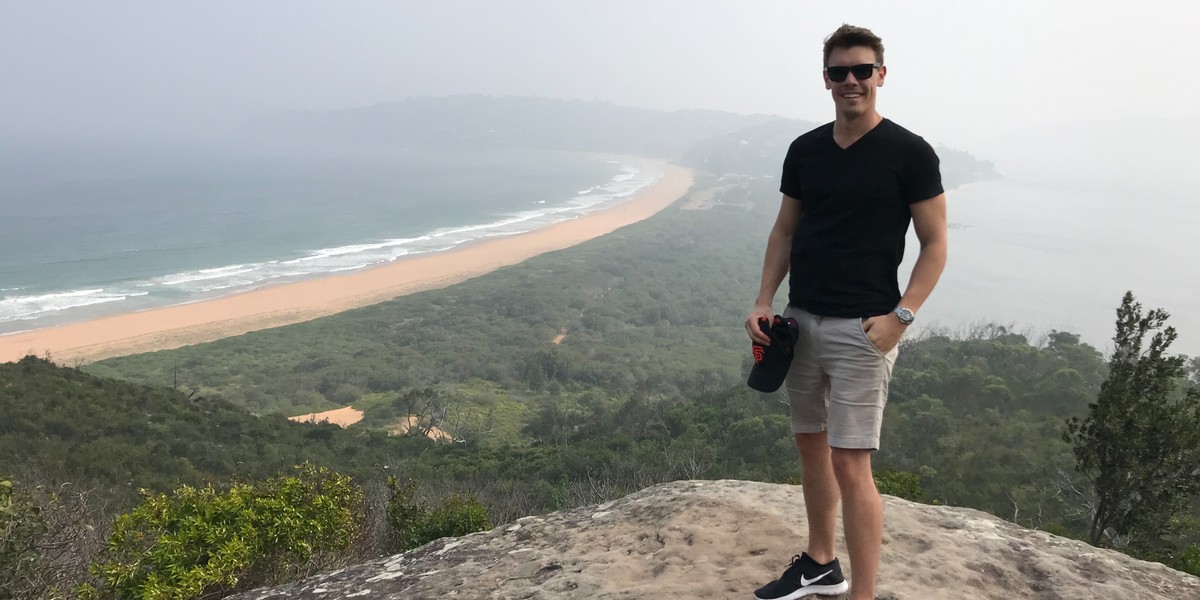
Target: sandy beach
[{"x": 186, "y": 324}]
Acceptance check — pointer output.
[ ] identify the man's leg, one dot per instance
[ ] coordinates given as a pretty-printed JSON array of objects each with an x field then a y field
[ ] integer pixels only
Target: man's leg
[
  {"x": 859, "y": 376},
  {"x": 862, "y": 518},
  {"x": 820, "y": 494}
]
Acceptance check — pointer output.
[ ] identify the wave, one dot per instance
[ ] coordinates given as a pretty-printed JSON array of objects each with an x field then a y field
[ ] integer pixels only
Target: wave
[
  {"x": 23, "y": 308},
  {"x": 199, "y": 275},
  {"x": 196, "y": 284}
]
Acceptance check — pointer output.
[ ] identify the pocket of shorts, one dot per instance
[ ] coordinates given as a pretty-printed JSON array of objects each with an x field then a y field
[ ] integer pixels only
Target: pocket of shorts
[{"x": 866, "y": 338}]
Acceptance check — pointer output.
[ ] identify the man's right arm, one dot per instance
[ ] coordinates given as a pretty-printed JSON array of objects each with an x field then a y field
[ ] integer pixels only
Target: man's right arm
[{"x": 775, "y": 266}]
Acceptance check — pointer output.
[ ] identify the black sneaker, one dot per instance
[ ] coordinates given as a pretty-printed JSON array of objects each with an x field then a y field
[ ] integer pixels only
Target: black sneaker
[{"x": 803, "y": 578}]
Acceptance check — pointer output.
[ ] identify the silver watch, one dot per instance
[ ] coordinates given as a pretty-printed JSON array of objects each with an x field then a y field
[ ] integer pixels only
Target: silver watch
[{"x": 906, "y": 316}]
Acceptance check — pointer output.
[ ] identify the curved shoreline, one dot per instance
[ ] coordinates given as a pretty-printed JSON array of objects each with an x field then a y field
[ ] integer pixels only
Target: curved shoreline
[{"x": 205, "y": 321}]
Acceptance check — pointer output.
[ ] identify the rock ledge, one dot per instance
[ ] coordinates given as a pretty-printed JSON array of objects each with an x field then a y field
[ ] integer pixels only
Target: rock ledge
[{"x": 722, "y": 539}]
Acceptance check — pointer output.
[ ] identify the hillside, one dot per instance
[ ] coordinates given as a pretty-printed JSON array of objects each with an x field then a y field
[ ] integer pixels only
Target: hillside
[{"x": 114, "y": 436}]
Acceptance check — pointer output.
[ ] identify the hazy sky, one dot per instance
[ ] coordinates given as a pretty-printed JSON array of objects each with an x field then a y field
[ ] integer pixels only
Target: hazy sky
[{"x": 960, "y": 73}]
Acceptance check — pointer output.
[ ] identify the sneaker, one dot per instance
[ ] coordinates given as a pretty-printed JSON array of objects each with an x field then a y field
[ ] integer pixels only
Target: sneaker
[{"x": 803, "y": 578}]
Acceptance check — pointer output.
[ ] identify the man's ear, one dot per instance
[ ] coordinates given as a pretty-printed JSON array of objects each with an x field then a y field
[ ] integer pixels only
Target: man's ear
[
  {"x": 882, "y": 74},
  {"x": 828, "y": 83}
]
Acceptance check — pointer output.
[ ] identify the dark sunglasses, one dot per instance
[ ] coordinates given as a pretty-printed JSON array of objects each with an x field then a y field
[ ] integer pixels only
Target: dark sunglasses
[{"x": 861, "y": 72}]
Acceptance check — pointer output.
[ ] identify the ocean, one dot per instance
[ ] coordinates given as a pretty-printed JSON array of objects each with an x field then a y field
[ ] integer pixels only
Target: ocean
[
  {"x": 94, "y": 231},
  {"x": 1033, "y": 257}
]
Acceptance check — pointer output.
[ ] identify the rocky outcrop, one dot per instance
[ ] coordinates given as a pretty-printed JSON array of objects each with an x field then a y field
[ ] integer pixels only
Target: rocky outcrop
[{"x": 722, "y": 539}]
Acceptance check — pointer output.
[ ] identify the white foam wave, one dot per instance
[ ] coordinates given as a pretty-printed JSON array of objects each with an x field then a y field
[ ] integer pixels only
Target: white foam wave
[
  {"x": 20, "y": 308},
  {"x": 199, "y": 283},
  {"x": 202, "y": 275}
]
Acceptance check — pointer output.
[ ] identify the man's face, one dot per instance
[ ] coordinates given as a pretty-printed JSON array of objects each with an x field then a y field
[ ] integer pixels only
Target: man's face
[{"x": 854, "y": 97}]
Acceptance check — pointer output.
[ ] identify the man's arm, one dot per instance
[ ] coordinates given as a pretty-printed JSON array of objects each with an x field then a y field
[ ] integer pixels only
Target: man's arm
[
  {"x": 775, "y": 265},
  {"x": 929, "y": 223}
]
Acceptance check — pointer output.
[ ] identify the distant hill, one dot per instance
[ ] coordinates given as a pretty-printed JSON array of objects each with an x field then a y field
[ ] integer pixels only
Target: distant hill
[
  {"x": 509, "y": 122},
  {"x": 708, "y": 140}
]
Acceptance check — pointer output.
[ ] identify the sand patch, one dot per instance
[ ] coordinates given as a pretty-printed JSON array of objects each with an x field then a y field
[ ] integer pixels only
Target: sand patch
[
  {"x": 562, "y": 335},
  {"x": 342, "y": 417},
  {"x": 405, "y": 425}
]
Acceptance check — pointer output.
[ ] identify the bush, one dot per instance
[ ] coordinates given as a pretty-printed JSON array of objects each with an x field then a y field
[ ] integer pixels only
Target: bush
[
  {"x": 203, "y": 542},
  {"x": 46, "y": 540},
  {"x": 21, "y": 526},
  {"x": 1189, "y": 560},
  {"x": 412, "y": 524},
  {"x": 901, "y": 484}
]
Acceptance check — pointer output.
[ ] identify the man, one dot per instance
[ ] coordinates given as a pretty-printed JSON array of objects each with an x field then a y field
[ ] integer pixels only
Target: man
[{"x": 850, "y": 189}]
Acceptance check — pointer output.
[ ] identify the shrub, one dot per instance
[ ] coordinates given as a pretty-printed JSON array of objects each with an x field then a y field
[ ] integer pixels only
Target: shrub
[
  {"x": 203, "y": 542},
  {"x": 21, "y": 526},
  {"x": 412, "y": 524},
  {"x": 901, "y": 484},
  {"x": 47, "y": 540}
]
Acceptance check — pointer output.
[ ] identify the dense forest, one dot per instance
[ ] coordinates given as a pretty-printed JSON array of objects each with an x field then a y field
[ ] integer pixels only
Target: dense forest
[{"x": 575, "y": 377}]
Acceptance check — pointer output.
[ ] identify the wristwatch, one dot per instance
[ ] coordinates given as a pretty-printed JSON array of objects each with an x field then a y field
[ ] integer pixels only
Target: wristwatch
[{"x": 906, "y": 316}]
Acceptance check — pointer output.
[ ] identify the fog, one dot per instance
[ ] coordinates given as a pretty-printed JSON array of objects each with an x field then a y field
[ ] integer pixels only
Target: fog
[
  {"x": 1096, "y": 94},
  {"x": 961, "y": 73}
]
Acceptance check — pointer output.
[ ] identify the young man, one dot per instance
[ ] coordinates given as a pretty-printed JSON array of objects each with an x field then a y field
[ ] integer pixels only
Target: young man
[{"x": 850, "y": 189}]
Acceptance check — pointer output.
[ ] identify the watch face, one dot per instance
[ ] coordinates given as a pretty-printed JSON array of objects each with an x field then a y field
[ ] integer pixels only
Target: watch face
[{"x": 906, "y": 316}]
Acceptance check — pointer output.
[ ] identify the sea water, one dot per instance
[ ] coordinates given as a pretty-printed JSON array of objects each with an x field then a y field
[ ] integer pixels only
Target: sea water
[
  {"x": 1038, "y": 256},
  {"x": 93, "y": 231}
]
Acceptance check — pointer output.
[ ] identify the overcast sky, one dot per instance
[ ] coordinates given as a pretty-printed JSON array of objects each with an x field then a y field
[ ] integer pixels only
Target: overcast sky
[{"x": 960, "y": 73}]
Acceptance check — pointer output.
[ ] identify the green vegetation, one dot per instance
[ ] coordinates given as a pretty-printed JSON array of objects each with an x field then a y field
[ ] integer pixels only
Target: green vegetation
[
  {"x": 412, "y": 524},
  {"x": 20, "y": 528},
  {"x": 115, "y": 437},
  {"x": 199, "y": 542},
  {"x": 1139, "y": 445}
]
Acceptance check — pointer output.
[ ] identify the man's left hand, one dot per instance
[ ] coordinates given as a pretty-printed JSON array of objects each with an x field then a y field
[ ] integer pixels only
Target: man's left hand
[{"x": 884, "y": 331}]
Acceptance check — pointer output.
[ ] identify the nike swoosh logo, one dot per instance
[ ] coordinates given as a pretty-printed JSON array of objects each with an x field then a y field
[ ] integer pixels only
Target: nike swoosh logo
[{"x": 807, "y": 582}]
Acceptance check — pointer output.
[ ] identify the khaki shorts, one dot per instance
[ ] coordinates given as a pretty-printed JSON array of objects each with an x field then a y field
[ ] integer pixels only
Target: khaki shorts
[{"x": 838, "y": 381}]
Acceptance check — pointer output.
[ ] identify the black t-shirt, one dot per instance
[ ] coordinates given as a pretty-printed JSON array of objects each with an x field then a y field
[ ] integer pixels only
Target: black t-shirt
[{"x": 850, "y": 241}]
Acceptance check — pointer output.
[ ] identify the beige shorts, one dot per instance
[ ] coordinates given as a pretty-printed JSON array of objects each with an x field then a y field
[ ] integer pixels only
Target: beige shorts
[{"x": 838, "y": 381}]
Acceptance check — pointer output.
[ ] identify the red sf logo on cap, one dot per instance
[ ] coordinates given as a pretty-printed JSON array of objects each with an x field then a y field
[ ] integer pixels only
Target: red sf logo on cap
[{"x": 758, "y": 353}]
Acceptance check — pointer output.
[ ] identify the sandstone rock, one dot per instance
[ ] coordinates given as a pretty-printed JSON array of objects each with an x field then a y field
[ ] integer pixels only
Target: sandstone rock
[{"x": 722, "y": 539}]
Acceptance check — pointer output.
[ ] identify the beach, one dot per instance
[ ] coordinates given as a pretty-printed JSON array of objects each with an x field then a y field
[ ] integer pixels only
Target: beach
[{"x": 284, "y": 304}]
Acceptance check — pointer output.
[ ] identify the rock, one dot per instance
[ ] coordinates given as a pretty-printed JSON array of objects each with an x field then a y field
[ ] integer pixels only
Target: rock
[{"x": 723, "y": 539}]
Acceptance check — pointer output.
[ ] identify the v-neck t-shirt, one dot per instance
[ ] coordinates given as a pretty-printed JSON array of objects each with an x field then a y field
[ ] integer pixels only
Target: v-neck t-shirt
[{"x": 849, "y": 243}]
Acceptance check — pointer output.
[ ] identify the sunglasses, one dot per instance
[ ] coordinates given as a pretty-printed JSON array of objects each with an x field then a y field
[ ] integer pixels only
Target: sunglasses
[{"x": 861, "y": 72}]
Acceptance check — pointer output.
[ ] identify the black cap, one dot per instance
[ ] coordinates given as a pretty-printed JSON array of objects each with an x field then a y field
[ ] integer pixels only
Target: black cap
[{"x": 771, "y": 362}]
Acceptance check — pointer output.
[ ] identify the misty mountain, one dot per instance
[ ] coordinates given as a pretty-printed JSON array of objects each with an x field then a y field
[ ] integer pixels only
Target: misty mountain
[
  {"x": 509, "y": 122},
  {"x": 709, "y": 140}
]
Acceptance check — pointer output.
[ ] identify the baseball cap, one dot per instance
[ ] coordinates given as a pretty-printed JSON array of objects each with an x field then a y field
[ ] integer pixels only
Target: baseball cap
[{"x": 771, "y": 362}]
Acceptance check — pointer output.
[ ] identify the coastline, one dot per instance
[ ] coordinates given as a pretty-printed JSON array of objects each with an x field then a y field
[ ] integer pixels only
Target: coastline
[{"x": 208, "y": 320}]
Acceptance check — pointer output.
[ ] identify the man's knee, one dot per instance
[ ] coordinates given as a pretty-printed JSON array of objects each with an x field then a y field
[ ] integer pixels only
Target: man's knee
[{"x": 852, "y": 467}]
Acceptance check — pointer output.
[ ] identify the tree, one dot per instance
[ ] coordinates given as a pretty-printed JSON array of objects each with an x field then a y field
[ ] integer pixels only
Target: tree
[{"x": 1139, "y": 445}]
